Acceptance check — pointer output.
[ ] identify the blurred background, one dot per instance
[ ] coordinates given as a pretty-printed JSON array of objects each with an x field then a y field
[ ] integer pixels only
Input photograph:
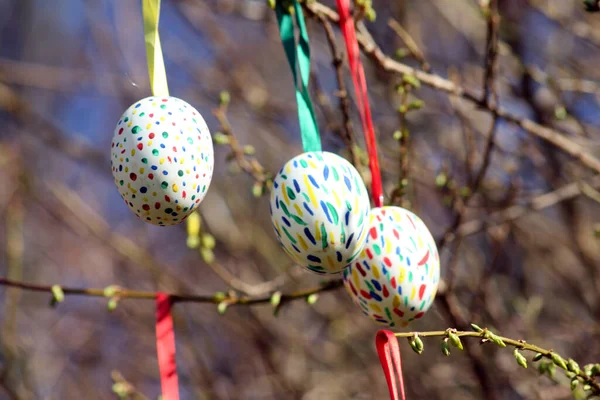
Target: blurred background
[{"x": 516, "y": 219}]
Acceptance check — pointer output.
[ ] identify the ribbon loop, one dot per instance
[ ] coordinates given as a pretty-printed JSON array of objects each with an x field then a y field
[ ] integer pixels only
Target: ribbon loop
[
  {"x": 362, "y": 98},
  {"x": 154, "y": 57},
  {"x": 389, "y": 356},
  {"x": 165, "y": 348},
  {"x": 298, "y": 57}
]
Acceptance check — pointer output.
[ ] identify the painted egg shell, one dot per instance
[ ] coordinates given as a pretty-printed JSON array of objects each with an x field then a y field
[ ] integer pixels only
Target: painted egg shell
[
  {"x": 395, "y": 278},
  {"x": 162, "y": 159},
  {"x": 320, "y": 209}
]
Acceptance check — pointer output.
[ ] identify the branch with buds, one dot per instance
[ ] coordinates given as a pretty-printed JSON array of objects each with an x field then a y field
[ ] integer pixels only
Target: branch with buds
[{"x": 548, "y": 359}]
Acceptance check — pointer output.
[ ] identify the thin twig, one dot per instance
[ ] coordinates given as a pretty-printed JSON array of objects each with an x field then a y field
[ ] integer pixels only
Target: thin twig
[
  {"x": 488, "y": 337},
  {"x": 217, "y": 298},
  {"x": 537, "y": 203},
  {"x": 124, "y": 389},
  {"x": 490, "y": 99},
  {"x": 579, "y": 29},
  {"x": 342, "y": 94},
  {"x": 249, "y": 165},
  {"x": 410, "y": 43},
  {"x": 247, "y": 288},
  {"x": 388, "y": 64},
  {"x": 398, "y": 195}
]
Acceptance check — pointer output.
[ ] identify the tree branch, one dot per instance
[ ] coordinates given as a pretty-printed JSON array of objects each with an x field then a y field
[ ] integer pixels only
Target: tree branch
[
  {"x": 437, "y": 82},
  {"x": 216, "y": 298},
  {"x": 452, "y": 337}
]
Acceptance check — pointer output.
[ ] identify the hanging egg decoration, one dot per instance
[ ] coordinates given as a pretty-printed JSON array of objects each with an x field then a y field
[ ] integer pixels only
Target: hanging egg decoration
[
  {"x": 319, "y": 210},
  {"x": 162, "y": 159},
  {"x": 395, "y": 278}
]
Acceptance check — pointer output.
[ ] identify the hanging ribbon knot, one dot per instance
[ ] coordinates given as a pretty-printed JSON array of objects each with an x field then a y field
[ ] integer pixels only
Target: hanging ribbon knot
[
  {"x": 389, "y": 356},
  {"x": 362, "y": 98}
]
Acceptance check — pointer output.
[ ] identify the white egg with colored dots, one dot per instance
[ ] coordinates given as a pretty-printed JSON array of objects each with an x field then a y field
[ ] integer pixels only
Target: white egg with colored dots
[
  {"x": 395, "y": 278},
  {"x": 162, "y": 159},
  {"x": 319, "y": 210}
]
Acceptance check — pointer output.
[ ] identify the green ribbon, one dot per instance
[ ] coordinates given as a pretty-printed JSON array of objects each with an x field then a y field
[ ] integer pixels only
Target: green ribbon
[{"x": 299, "y": 55}]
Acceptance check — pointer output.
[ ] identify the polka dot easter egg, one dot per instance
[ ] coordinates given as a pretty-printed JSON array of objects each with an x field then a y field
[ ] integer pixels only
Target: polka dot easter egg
[
  {"x": 319, "y": 210},
  {"x": 162, "y": 159},
  {"x": 395, "y": 278}
]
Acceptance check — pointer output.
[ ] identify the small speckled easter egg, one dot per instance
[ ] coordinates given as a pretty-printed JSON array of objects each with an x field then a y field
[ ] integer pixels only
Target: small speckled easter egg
[
  {"x": 395, "y": 278},
  {"x": 319, "y": 210},
  {"x": 162, "y": 159}
]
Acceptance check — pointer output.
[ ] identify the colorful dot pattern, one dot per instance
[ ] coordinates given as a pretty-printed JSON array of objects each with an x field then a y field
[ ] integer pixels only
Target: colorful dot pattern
[
  {"x": 319, "y": 210},
  {"x": 395, "y": 279},
  {"x": 162, "y": 159}
]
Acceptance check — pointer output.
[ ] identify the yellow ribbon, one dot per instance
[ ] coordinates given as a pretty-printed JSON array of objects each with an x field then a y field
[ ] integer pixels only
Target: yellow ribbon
[{"x": 156, "y": 65}]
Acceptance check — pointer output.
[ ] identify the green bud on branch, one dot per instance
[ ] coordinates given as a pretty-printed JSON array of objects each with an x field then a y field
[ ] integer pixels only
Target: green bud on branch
[
  {"x": 58, "y": 295},
  {"x": 494, "y": 338},
  {"x": 371, "y": 15},
  {"x": 224, "y": 98},
  {"x": 416, "y": 344},
  {"x": 219, "y": 296},
  {"x": 401, "y": 52},
  {"x": 121, "y": 389},
  {"x": 193, "y": 223},
  {"x": 275, "y": 299},
  {"x": 411, "y": 80},
  {"x": 574, "y": 383},
  {"x": 208, "y": 256},
  {"x": 537, "y": 357},
  {"x": 521, "y": 360},
  {"x": 573, "y": 366},
  {"x": 558, "y": 360},
  {"x": 111, "y": 290},
  {"x": 441, "y": 180},
  {"x": 455, "y": 340},
  {"x": 416, "y": 105},
  {"x": 258, "y": 189},
  {"x": 312, "y": 298},
  {"x": 222, "y": 307},
  {"x": 208, "y": 241},
  {"x": 220, "y": 138},
  {"x": 551, "y": 369},
  {"x": 560, "y": 113},
  {"x": 113, "y": 302},
  {"x": 445, "y": 347},
  {"x": 542, "y": 367}
]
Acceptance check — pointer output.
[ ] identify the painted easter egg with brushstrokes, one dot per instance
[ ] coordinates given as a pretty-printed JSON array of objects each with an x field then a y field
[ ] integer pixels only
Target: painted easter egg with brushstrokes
[
  {"x": 395, "y": 278},
  {"x": 319, "y": 210},
  {"x": 162, "y": 159}
]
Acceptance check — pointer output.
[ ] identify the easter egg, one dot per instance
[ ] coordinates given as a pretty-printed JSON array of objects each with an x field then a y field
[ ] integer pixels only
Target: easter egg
[
  {"x": 395, "y": 278},
  {"x": 319, "y": 210},
  {"x": 162, "y": 159}
]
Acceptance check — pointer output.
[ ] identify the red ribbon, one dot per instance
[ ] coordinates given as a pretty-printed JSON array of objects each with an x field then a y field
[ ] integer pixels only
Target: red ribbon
[
  {"x": 389, "y": 356},
  {"x": 362, "y": 98},
  {"x": 165, "y": 347}
]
